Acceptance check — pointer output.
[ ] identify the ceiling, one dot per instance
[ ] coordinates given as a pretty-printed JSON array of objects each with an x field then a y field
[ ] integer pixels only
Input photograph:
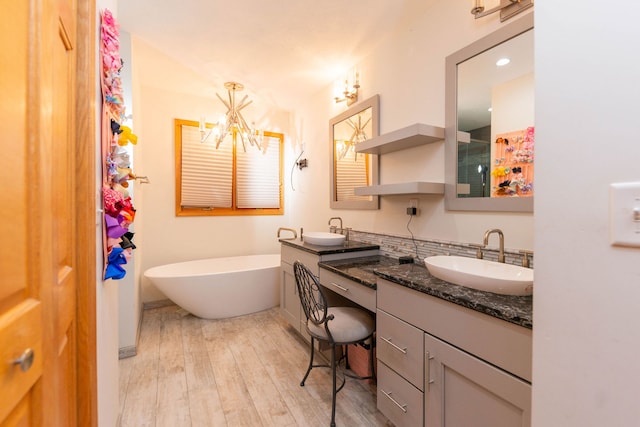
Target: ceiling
[{"x": 281, "y": 51}]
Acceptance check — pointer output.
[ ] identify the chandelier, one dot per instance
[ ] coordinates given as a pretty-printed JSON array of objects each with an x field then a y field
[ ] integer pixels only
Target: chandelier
[
  {"x": 358, "y": 135},
  {"x": 233, "y": 122}
]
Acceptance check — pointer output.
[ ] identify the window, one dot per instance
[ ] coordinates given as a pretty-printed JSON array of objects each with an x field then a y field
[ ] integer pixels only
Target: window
[{"x": 227, "y": 180}]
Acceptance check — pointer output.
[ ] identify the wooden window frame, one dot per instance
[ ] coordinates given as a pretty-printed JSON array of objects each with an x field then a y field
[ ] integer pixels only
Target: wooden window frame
[{"x": 234, "y": 210}]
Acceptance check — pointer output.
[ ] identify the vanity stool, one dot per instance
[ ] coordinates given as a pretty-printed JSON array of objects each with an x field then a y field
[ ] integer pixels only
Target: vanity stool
[{"x": 336, "y": 326}]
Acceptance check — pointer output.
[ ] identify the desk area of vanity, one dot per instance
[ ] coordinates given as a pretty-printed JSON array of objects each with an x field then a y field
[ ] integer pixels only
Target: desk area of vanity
[
  {"x": 368, "y": 270},
  {"x": 443, "y": 350}
]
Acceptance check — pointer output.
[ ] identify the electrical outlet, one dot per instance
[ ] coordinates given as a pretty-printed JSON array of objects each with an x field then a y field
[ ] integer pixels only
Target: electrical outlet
[
  {"x": 412, "y": 209},
  {"x": 624, "y": 214}
]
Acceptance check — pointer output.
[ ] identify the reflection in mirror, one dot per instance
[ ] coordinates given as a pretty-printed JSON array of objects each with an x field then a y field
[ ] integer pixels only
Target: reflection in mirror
[
  {"x": 490, "y": 122},
  {"x": 348, "y": 168}
]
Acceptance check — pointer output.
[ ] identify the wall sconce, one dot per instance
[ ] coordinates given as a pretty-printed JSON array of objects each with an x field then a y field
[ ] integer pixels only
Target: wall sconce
[
  {"x": 507, "y": 8},
  {"x": 302, "y": 164},
  {"x": 347, "y": 90}
]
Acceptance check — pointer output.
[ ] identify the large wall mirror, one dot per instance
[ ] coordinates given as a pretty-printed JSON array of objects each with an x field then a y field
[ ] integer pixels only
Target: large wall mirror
[
  {"x": 348, "y": 168},
  {"x": 489, "y": 121}
]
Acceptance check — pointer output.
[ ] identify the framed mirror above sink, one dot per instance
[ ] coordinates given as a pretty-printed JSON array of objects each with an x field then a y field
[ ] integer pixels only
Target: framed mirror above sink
[
  {"x": 350, "y": 169},
  {"x": 489, "y": 122}
]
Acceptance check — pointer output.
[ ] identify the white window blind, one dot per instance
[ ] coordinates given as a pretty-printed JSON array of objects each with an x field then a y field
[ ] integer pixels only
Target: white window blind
[
  {"x": 258, "y": 175},
  {"x": 206, "y": 172},
  {"x": 353, "y": 173}
]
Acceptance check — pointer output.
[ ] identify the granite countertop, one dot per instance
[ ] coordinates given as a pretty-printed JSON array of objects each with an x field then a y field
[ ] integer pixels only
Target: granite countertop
[
  {"x": 365, "y": 270},
  {"x": 360, "y": 270},
  {"x": 350, "y": 246}
]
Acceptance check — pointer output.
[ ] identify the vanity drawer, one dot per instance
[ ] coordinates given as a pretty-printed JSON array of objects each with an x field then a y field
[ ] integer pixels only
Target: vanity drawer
[
  {"x": 290, "y": 255},
  {"x": 356, "y": 292},
  {"x": 494, "y": 340},
  {"x": 400, "y": 346},
  {"x": 397, "y": 399}
]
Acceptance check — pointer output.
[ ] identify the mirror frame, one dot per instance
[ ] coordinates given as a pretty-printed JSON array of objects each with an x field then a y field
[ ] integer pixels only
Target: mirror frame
[
  {"x": 452, "y": 201},
  {"x": 374, "y": 203}
]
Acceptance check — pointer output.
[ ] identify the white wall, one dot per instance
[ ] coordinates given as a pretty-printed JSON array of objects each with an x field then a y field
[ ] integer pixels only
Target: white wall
[
  {"x": 163, "y": 237},
  {"x": 513, "y": 103},
  {"x": 407, "y": 70},
  {"x": 586, "y": 335},
  {"x": 129, "y": 304},
  {"x": 106, "y": 292}
]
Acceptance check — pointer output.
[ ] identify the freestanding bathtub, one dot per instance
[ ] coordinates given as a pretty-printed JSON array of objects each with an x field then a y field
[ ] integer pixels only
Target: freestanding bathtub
[{"x": 218, "y": 288}]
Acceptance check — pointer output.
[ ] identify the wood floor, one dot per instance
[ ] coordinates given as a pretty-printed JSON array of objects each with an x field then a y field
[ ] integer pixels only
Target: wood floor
[{"x": 243, "y": 371}]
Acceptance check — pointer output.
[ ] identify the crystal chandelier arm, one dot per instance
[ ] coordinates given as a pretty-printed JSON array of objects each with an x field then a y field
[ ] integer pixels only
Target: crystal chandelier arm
[
  {"x": 365, "y": 124},
  {"x": 225, "y": 130},
  {"x": 244, "y": 146},
  {"x": 353, "y": 136},
  {"x": 251, "y": 135},
  {"x": 226, "y": 104},
  {"x": 241, "y": 105}
]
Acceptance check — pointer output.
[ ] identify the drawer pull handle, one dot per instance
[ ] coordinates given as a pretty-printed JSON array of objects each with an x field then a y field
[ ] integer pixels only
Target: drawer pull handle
[
  {"x": 428, "y": 363},
  {"x": 388, "y": 341},
  {"x": 340, "y": 287},
  {"x": 25, "y": 360},
  {"x": 403, "y": 407}
]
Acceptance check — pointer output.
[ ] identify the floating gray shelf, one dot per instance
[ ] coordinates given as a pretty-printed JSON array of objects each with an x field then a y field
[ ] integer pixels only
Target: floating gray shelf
[
  {"x": 401, "y": 139},
  {"x": 401, "y": 188}
]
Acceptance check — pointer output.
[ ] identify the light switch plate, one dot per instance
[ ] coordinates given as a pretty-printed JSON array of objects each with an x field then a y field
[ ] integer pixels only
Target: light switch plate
[{"x": 624, "y": 213}]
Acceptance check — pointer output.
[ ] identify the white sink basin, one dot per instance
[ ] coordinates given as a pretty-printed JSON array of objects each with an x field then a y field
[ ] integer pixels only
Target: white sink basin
[
  {"x": 323, "y": 238},
  {"x": 490, "y": 276}
]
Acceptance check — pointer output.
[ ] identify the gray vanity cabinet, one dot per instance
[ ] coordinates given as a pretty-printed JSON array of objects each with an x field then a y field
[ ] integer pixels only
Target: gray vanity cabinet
[
  {"x": 441, "y": 364},
  {"x": 462, "y": 390},
  {"x": 399, "y": 349},
  {"x": 290, "y": 307},
  {"x": 359, "y": 294}
]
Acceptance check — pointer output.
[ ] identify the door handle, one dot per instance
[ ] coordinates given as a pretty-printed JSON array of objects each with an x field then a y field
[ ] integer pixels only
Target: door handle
[
  {"x": 400, "y": 349},
  {"x": 402, "y": 407},
  {"x": 25, "y": 360},
  {"x": 427, "y": 362},
  {"x": 343, "y": 289}
]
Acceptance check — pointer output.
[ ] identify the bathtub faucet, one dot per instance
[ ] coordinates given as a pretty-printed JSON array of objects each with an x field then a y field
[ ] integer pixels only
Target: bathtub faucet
[
  {"x": 332, "y": 228},
  {"x": 295, "y": 234}
]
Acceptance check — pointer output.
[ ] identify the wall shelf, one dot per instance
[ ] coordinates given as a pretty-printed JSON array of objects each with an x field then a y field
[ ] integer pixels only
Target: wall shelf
[
  {"x": 417, "y": 187},
  {"x": 402, "y": 139}
]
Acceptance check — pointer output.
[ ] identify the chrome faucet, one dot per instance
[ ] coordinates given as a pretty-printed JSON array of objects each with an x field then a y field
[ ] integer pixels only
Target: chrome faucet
[
  {"x": 501, "y": 237},
  {"x": 288, "y": 229},
  {"x": 332, "y": 228}
]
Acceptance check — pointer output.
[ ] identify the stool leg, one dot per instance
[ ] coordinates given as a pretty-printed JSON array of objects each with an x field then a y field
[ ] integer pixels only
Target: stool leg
[
  {"x": 333, "y": 373},
  {"x": 346, "y": 356},
  {"x": 372, "y": 359},
  {"x": 310, "y": 364}
]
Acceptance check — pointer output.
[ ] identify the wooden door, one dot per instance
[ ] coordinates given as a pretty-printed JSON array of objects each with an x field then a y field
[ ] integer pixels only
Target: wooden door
[{"x": 40, "y": 222}]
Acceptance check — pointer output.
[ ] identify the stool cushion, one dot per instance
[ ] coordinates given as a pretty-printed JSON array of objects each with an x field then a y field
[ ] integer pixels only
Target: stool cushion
[{"x": 349, "y": 325}]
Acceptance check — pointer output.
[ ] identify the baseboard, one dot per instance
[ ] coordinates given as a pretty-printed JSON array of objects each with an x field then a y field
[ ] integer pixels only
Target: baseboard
[
  {"x": 131, "y": 351},
  {"x": 157, "y": 304},
  {"x": 125, "y": 352}
]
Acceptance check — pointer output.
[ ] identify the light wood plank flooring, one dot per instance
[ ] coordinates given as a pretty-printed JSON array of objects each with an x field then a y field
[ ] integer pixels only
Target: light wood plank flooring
[{"x": 243, "y": 371}]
